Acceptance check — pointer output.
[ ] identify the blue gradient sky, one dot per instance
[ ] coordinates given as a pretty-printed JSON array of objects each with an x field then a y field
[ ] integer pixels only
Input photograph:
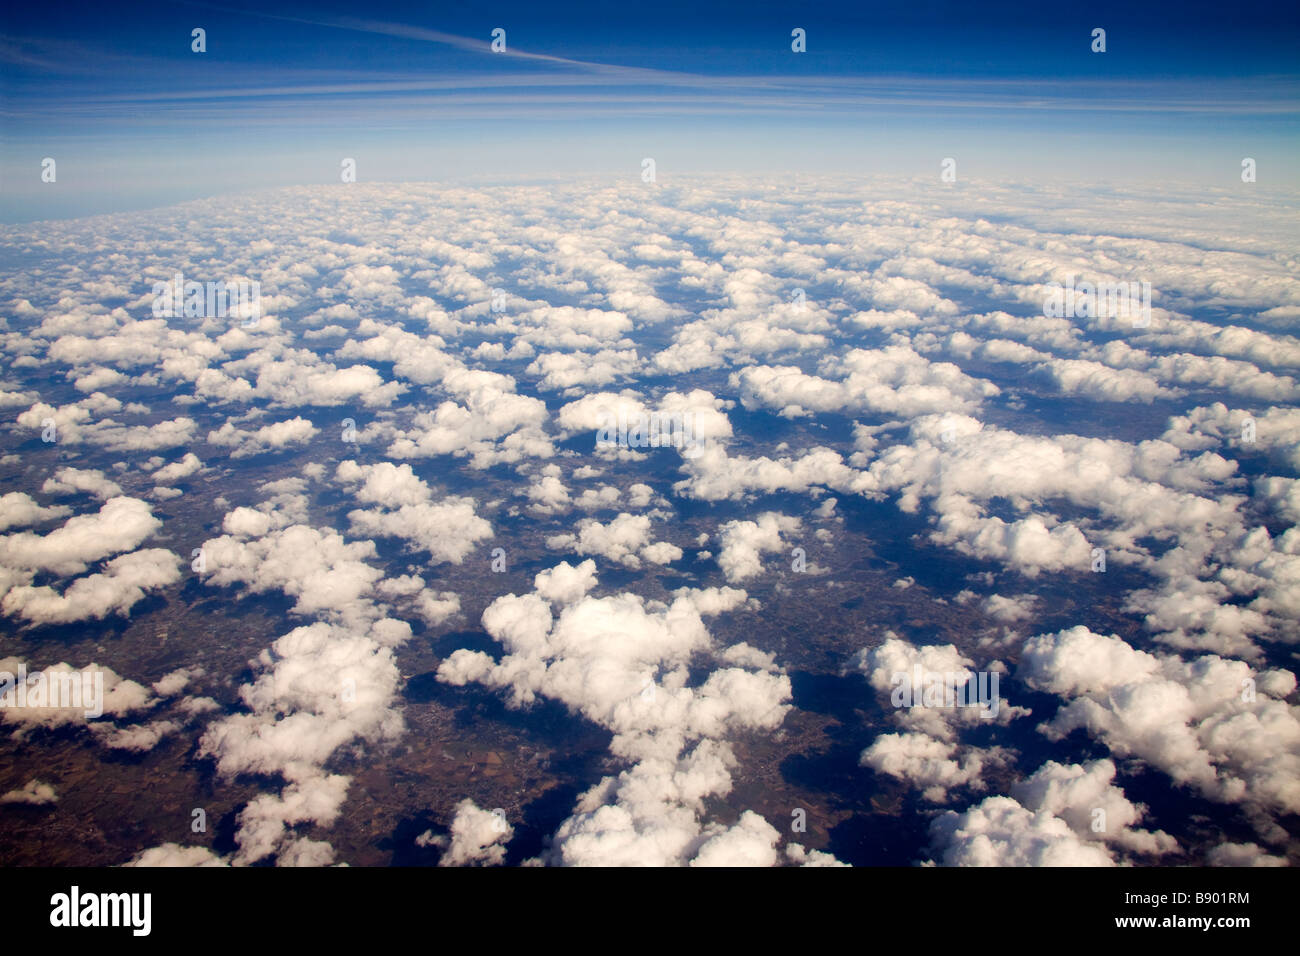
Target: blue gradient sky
[{"x": 412, "y": 92}]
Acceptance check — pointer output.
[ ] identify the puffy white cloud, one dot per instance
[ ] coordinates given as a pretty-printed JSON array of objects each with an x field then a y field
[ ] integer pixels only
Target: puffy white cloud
[
  {"x": 895, "y": 380},
  {"x": 87, "y": 689},
  {"x": 97, "y": 378},
  {"x": 624, "y": 664},
  {"x": 289, "y": 433},
  {"x": 745, "y": 542},
  {"x": 928, "y": 755},
  {"x": 173, "y": 682},
  {"x": 265, "y": 823},
  {"x": 1001, "y": 832},
  {"x": 566, "y": 583},
  {"x": 1242, "y": 854},
  {"x": 305, "y": 852},
  {"x": 625, "y": 539},
  {"x": 604, "y": 498},
  {"x": 174, "y": 433},
  {"x": 72, "y": 426},
  {"x": 892, "y": 667},
  {"x": 436, "y": 608},
  {"x": 801, "y": 856},
  {"x": 120, "y": 524},
  {"x": 1103, "y": 383},
  {"x": 173, "y": 854},
  {"x": 494, "y": 425},
  {"x": 1196, "y": 371},
  {"x": 1085, "y": 798},
  {"x": 1011, "y": 610},
  {"x": 751, "y": 842},
  {"x": 715, "y": 475},
  {"x": 321, "y": 687},
  {"x": 960, "y": 466},
  {"x": 294, "y": 379},
  {"x": 477, "y": 837},
  {"x": 137, "y": 738},
  {"x": 1215, "y": 724},
  {"x": 115, "y": 590},
  {"x": 547, "y": 493},
  {"x": 448, "y": 529},
  {"x": 1077, "y": 661},
  {"x": 34, "y": 793},
  {"x": 181, "y": 468},
  {"x": 19, "y": 509},
  {"x": 701, "y": 416},
  {"x": 68, "y": 421},
  {"x": 90, "y": 481},
  {"x": 914, "y": 320},
  {"x": 1218, "y": 426},
  {"x": 319, "y": 569},
  {"x": 649, "y": 816},
  {"x": 560, "y": 370},
  {"x": 925, "y": 762}
]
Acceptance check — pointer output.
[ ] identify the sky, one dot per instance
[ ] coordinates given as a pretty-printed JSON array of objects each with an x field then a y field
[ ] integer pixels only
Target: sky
[{"x": 135, "y": 118}]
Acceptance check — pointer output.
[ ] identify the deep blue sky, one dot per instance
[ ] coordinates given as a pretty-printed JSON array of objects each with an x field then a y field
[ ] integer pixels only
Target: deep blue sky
[{"x": 134, "y": 118}]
